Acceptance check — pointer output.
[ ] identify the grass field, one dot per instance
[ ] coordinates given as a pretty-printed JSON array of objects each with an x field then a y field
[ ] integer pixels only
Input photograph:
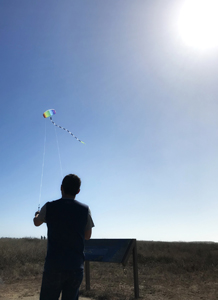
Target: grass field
[{"x": 180, "y": 271}]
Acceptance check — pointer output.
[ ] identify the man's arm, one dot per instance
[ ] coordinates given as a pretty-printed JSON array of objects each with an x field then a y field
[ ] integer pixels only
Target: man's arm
[
  {"x": 89, "y": 225},
  {"x": 88, "y": 234},
  {"x": 40, "y": 216}
]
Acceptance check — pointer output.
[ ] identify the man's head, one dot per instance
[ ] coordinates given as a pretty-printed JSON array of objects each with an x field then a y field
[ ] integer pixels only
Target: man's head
[{"x": 70, "y": 185}]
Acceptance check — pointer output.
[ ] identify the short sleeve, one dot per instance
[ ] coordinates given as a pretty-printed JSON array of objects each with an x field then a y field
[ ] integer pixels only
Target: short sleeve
[{"x": 90, "y": 222}]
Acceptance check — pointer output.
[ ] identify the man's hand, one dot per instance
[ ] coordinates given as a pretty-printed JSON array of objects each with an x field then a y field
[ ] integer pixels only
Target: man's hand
[{"x": 36, "y": 221}]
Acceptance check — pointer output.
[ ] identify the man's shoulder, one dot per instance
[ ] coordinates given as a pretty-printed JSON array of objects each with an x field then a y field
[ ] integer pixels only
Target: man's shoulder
[
  {"x": 56, "y": 201},
  {"x": 63, "y": 202},
  {"x": 81, "y": 204},
  {"x": 53, "y": 201}
]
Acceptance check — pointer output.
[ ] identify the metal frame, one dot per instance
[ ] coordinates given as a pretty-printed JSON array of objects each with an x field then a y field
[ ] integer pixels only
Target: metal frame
[{"x": 132, "y": 248}]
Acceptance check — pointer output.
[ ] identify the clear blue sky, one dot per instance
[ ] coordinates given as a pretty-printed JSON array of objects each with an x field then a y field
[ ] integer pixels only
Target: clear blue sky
[{"x": 145, "y": 103}]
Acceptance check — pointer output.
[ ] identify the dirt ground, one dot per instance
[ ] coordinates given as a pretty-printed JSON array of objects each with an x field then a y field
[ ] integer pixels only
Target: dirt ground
[
  {"x": 22, "y": 290},
  {"x": 158, "y": 287}
]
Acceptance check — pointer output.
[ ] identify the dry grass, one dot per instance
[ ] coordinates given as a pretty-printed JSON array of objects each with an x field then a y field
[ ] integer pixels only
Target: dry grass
[
  {"x": 21, "y": 258},
  {"x": 177, "y": 271}
]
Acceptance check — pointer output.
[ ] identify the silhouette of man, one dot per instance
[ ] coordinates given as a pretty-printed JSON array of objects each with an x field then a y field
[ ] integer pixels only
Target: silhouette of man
[{"x": 69, "y": 223}]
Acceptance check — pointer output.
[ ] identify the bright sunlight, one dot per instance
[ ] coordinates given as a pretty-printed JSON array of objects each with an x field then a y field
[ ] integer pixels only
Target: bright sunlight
[{"x": 198, "y": 24}]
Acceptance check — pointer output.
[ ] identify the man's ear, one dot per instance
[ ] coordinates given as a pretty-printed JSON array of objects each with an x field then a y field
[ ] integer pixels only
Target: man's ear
[{"x": 78, "y": 192}]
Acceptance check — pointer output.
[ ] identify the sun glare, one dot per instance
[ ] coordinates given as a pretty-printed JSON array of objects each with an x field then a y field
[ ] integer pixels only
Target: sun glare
[{"x": 198, "y": 24}]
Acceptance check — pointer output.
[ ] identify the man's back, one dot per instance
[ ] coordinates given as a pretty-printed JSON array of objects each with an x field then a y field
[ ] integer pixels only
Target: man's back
[{"x": 66, "y": 220}]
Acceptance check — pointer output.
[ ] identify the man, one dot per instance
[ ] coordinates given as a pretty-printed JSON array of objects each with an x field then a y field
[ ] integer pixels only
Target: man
[{"x": 69, "y": 223}]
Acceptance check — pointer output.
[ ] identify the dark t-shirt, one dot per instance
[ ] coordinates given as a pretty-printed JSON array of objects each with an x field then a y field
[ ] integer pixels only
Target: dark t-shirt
[{"x": 66, "y": 221}]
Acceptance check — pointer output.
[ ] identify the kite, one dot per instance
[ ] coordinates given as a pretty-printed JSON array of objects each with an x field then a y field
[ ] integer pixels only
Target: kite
[{"x": 50, "y": 113}]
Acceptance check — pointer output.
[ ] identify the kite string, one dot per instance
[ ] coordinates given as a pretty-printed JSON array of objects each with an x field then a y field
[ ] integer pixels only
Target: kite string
[
  {"x": 43, "y": 163},
  {"x": 59, "y": 154}
]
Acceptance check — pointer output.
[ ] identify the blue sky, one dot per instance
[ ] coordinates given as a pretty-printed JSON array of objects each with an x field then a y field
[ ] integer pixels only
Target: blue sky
[{"x": 145, "y": 104}]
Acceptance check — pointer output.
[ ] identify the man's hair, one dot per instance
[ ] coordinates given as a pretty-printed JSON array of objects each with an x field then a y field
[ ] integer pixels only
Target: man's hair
[{"x": 71, "y": 184}]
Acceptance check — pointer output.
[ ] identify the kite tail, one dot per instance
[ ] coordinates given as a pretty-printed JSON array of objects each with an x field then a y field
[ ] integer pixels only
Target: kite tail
[{"x": 66, "y": 130}]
